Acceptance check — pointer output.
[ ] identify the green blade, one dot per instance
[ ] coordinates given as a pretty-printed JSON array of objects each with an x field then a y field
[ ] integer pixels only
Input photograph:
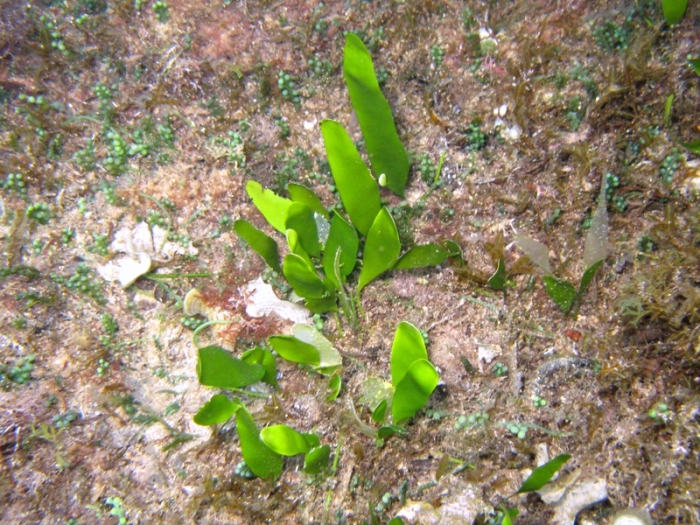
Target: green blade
[
  {"x": 218, "y": 409},
  {"x": 273, "y": 207},
  {"x": 381, "y": 249},
  {"x": 407, "y": 348},
  {"x": 422, "y": 256},
  {"x": 342, "y": 235},
  {"x": 218, "y": 368},
  {"x": 356, "y": 187},
  {"x": 541, "y": 475},
  {"x": 386, "y": 152},
  {"x": 414, "y": 389},
  {"x": 264, "y": 463},
  {"x": 264, "y": 246}
]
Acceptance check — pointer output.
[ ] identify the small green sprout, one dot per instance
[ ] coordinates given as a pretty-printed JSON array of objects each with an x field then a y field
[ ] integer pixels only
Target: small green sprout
[
  {"x": 100, "y": 245},
  {"x": 82, "y": 282},
  {"x": 611, "y": 36},
  {"x": 63, "y": 421},
  {"x": 40, "y": 212},
  {"x": 21, "y": 371},
  {"x": 670, "y": 166},
  {"x": 115, "y": 163},
  {"x": 117, "y": 509},
  {"x": 646, "y": 244},
  {"x": 562, "y": 292},
  {"x": 660, "y": 413},
  {"x": 37, "y": 246},
  {"x": 476, "y": 138},
  {"x": 192, "y": 322},
  {"x": 161, "y": 9},
  {"x": 16, "y": 183},
  {"x": 437, "y": 55},
  {"x": 243, "y": 470},
  {"x": 67, "y": 235},
  {"x": 285, "y": 132},
  {"x": 538, "y": 402},
  {"x": 320, "y": 68},
  {"x": 82, "y": 206},
  {"x": 384, "y": 502},
  {"x": 499, "y": 369},
  {"x": 518, "y": 429},
  {"x": 478, "y": 419},
  {"x": 156, "y": 218},
  {"x": 102, "y": 367},
  {"x": 426, "y": 168},
  {"x": 288, "y": 89}
]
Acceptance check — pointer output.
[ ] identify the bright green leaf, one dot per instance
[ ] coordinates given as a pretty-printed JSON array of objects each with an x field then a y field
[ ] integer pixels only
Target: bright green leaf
[
  {"x": 263, "y": 357},
  {"x": 692, "y": 146},
  {"x": 386, "y": 152},
  {"x": 272, "y": 206},
  {"x": 218, "y": 368},
  {"x": 291, "y": 349},
  {"x": 668, "y": 108},
  {"x": 329, "y": 358},
  {"x": 264, "y": 462},
  {"x": 380, "y": 412},
  {"x": 284, "y": 440},
  {"x": 454, "y": 249},
  {"x": 264, "y": 246},
  {"x": 317, "y": 459},
  {"x": 695, "y": 64},
  {"x": 300, "y": 218},
  {"x": 562, "y": 292},
  {"x": 357, "y": 189},
  {"x": 303, "y": 279},
  {"x": 587, "y": 277},
  {"x": 674, "y": 10},
  {"x": 407, "y": 348},
  {"x": 342, "y": 235},
  {"x": 374, "y": 391},
  {"x": 422, "y": 256},
  {"x": 335, "y": 383},
  {"x": 381, "y": 249},
  {"x": 396, "y": 521},
  {"x": 304, "y": 195},
  {"x": 296, "y": 248},
  {"x": 541, "y": 475},
  {"x": 218, "y": 409},
  {"x": 498, "y": 280},
  {"x": 413, "y": 391}
]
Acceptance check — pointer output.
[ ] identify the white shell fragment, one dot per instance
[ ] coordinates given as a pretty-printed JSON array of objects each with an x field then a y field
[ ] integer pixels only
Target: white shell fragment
[
  {"x": 262, "y": 301},
  {"x": 632, "y": 517},
  {"x": 142, "y": 245},
  {"x": 581, "y": 495}
]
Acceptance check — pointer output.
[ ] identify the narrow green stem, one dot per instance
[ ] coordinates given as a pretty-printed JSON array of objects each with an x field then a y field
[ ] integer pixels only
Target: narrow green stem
[{"x": 202, "y": 327}]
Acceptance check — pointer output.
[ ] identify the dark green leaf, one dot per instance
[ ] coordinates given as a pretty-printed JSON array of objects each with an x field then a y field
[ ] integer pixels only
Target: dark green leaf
[
  {"x": 303, "y": 279},
  {"x": 272, "y": 206},
  {"x": 541, "y": 475},
  {"x": 264, "y": 246},
  {"x": 562, "y": 292},
  {"x": 674, "y": 10},
  {"x": 692, "y": 146},
  {"x": 587, "y": 277},
  {"x": 357, "y": 189},
  {"x": 284, "y": 440},
  {"x": 380, "y": 412},
  {"x": 291, "y": 349},
  {"x": 422, "y": 256},
  {"x": 218, "y": 368},
  {"x": 321, "y": 305},
  {"x": 317, "y": 459},
  {"x": 381, "y": 249},
  {"x": 218, "y": 409},
  {"x": 695, "y": 64},
  {"x": 264, "y": 463},
  {"x": 413, "y": 391},
  {"x": 386, "y": 152},
  {"x": 407, "y": 348},
  {"x": 304, "y": 195},
  {"x": 498, "y": 280},
  {"x": 263, "y": 357},
  {"x": 454, "y": 249},
  {"x": 467, "y": 365},
  {"x": 390, "y": 430},
  {"x": 334, "y": 385},
  {"x": 342, "y": 235}
]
